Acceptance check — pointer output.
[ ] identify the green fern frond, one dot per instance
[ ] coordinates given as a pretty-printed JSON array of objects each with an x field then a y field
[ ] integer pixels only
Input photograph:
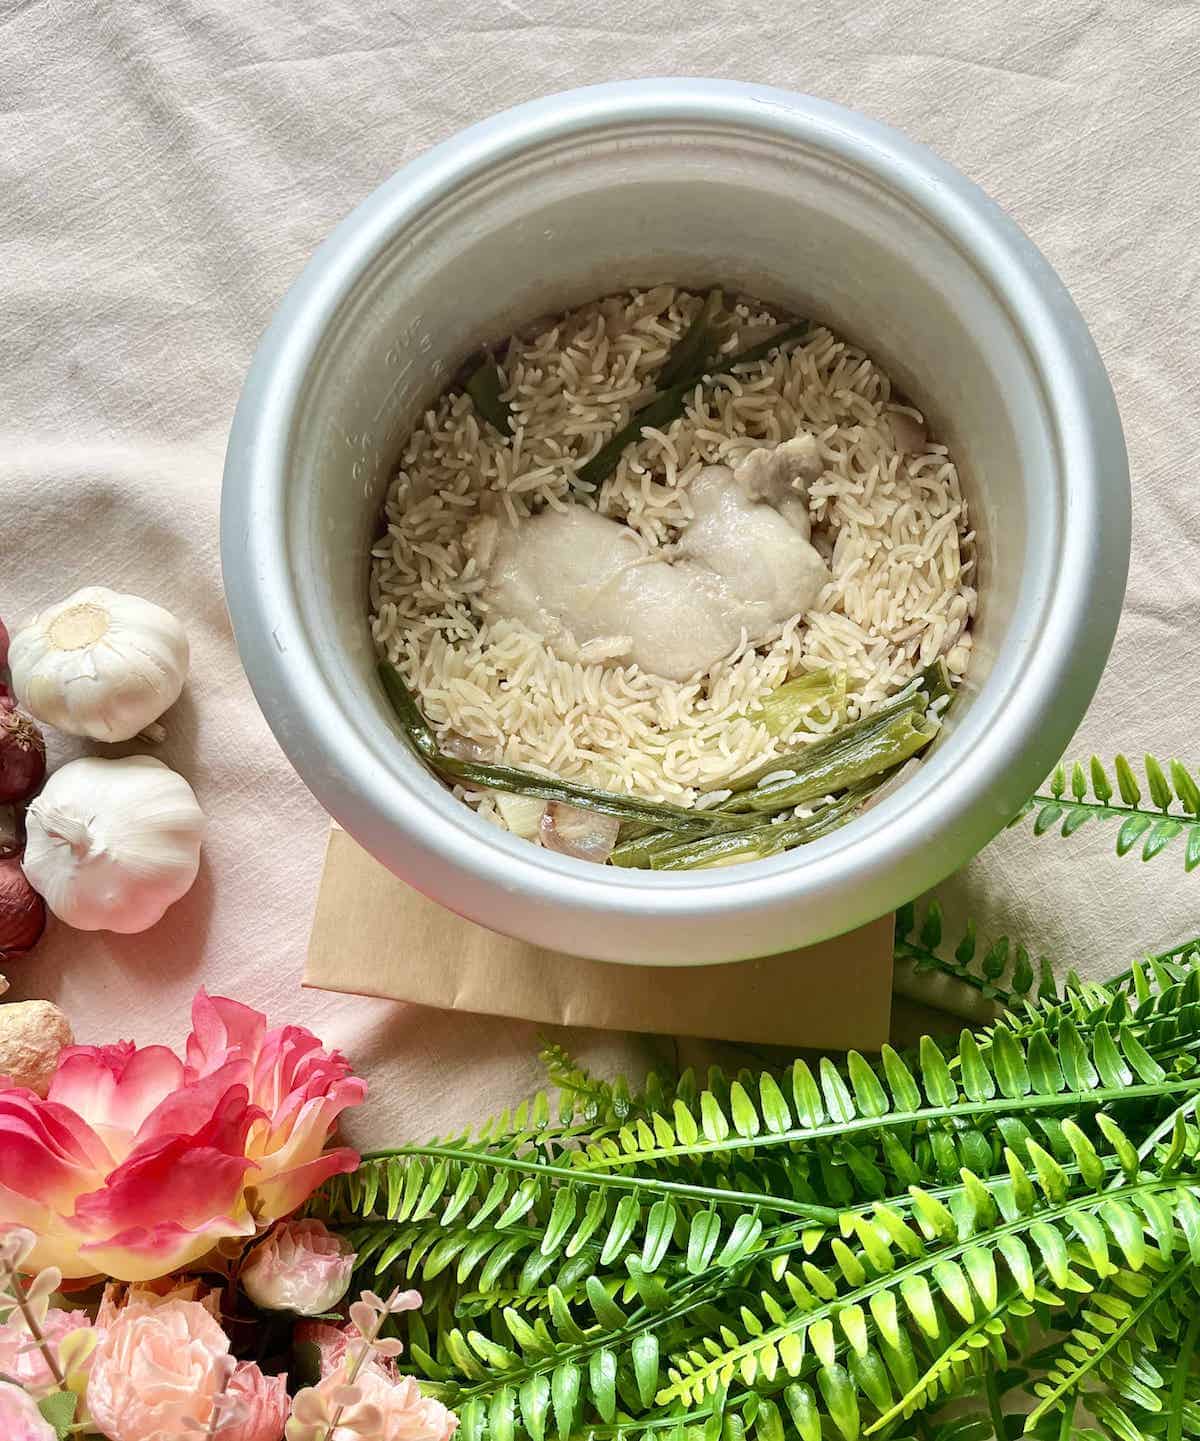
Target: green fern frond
[
  {"x": 1004, "y": 972},
  {"x": 826, "y": 1253},
  {"x": 1078, "y": 794}
]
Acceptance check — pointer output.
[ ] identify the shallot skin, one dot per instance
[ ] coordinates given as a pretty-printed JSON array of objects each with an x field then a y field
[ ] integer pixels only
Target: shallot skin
[{"x": 22, "y": 911}]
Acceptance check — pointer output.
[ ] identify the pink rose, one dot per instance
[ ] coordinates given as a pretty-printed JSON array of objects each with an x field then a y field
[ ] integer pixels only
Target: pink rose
[
  {"x": 137, "y": 1163},
  {"x": 164, "y": 1363},
  {"x": 385, "y": 1411},
  {"x": 28, "y": 1366},
  {"x": 260, "y": 1407},
  {"x": 301, "y": 1267},
  {"x": 332, "y": 1343},
  {"x": 20, "y": 1419}
]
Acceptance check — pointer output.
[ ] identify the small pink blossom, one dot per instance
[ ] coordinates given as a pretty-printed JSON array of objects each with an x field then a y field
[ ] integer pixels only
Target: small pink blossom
[
  {"x": 27, "y": 1364},
  {"x": 301, "y": 1266},
  {"x": 384, "y": 1411},
  {"x": 20, "y": 1419}
]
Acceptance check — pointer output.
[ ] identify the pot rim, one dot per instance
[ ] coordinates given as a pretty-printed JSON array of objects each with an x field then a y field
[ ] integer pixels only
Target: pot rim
[{"x": 1077, "y": 624}]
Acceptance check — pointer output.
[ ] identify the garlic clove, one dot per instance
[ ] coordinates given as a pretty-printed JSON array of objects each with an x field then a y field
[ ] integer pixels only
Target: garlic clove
[
  {"x": 100, "y": 664},
  {"x": 110, "y": 844}
]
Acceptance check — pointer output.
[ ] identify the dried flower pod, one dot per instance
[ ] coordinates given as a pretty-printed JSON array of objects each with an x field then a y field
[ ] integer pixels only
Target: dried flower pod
[
  {"x": 22, "y": 911},
  {"x": 32, "y": 1033},
  {"x": 22, "y": 754}
]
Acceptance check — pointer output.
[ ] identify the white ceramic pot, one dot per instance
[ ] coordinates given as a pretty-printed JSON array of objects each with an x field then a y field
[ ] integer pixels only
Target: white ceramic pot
[{"x": 791, "y": 199}]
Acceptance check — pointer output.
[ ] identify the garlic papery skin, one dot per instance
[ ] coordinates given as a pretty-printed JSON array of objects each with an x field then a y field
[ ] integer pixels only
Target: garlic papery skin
[
  {"x": 99, "y": 664},
  {"x": 110, "y": 844}
]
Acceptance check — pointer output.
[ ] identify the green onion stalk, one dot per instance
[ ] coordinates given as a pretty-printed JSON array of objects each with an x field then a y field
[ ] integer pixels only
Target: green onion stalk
[{"x": 757, "y": 819}]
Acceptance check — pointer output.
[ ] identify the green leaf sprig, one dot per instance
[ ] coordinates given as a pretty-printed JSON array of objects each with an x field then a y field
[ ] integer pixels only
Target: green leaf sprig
[{"x": 1082, "y": 793}]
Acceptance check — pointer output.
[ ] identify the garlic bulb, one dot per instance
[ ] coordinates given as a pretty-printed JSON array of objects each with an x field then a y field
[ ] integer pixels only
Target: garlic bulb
[
  {"x": 110, "y": 844},
  {"x": 99, "y": 664}
]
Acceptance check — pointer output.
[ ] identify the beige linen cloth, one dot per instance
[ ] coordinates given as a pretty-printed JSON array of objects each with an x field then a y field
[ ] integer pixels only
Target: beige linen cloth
[{"x": 167, "y": 166}]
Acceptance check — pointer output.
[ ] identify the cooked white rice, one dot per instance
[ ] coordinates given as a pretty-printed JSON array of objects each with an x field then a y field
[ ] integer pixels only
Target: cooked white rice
[{"x": 894, "y": 528}]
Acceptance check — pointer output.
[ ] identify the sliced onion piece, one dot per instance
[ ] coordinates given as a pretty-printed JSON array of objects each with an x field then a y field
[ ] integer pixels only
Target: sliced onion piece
[
  {"x": 522, "y": 815},
  {"x": 582, "y": 834},
  {"x": 462, "y": 749}
]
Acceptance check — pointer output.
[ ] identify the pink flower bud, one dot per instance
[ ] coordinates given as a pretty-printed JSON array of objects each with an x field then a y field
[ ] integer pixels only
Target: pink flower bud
[{"x": 300, "y": 1267}]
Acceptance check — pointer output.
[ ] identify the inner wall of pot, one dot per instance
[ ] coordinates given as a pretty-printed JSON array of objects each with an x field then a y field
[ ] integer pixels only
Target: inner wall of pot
[{"x": 574, "y": 220}]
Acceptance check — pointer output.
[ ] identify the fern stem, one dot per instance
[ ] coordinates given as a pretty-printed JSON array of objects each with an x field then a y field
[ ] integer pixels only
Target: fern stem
[
  {"x": 1183, "y": 1367},
  {"x": 991, "y": 1389},
  {"x": 1116, "y": 1338},
  {"x": 958, "y": 1342},
  {"x": 1002, "y": 1105},
  {"x": 826, "y": 1215},
  {"x": 915, "y": 1392},
  {"x": 1124, "y": 979}
]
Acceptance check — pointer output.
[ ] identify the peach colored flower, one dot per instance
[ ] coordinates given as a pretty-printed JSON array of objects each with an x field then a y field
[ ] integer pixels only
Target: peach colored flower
[
  {"x": 28, "y": 1366},
  {"x": 332, "y": 1343},
  {"x": 161, "y": 1364},
  {"x": 385, "y": 1411},
  {"x": 138, "y": 1163},
  {"x": 20, "y": 1419},
  {"x": 155, "y": 1366},
  {"x": 301, "y": 1266}
]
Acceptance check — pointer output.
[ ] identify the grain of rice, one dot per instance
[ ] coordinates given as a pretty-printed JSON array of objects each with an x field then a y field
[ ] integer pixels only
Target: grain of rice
[{"x": 894, "y": 528}]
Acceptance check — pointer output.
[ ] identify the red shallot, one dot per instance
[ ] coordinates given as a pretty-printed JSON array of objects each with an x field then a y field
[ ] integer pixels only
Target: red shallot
[
  {"x": 583, "y": 834},
  {"x": 12, "y": 831},
  {"x": 22, "y": 911},
  {"x": 3, "y": 644},
  {"x": 22, "y": 754}
]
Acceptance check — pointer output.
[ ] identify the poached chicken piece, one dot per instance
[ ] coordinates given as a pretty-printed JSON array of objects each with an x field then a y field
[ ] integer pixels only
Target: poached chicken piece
[{"x": 596, "y": 592}]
